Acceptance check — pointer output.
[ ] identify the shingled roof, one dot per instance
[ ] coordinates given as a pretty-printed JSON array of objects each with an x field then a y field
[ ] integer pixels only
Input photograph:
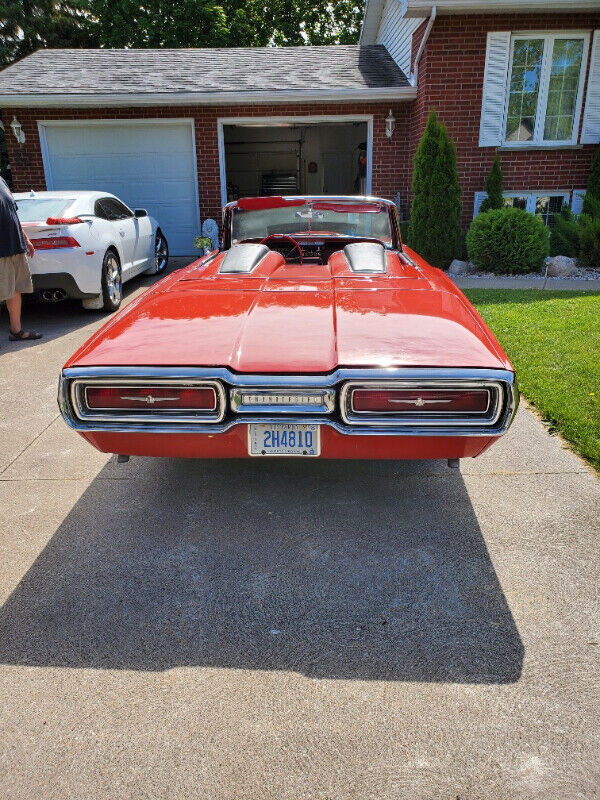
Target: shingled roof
[{"x": 204, "y": 75}]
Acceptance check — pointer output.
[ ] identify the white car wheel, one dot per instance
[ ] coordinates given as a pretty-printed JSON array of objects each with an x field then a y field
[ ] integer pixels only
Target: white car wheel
[
  {"x": 161, "y": 254},
  {"x": 112, "y": 287}
]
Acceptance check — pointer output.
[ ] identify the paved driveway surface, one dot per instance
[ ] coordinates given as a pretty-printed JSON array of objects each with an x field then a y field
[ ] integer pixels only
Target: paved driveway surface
[{"x": 282, "y": 629}]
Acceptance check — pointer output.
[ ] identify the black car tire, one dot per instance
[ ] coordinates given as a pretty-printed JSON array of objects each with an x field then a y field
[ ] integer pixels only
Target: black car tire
[{"x": 112, "y": 281}]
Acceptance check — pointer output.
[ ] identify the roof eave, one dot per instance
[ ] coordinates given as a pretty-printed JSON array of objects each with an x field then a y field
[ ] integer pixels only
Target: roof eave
[
  {"x": 391, "y": 94},
  {"x": 422, "y": 8},
  {"x": 371, "y": 21}
]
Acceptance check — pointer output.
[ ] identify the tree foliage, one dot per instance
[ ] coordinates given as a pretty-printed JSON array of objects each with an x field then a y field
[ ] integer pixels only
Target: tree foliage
[
  {"x": 434, "y": 229},
  {"x": 591, "y": 201},
  {"x": 564, "y": 234},
  {"x": 28, "y": 25},
  {"x": 225, "y": 23},
  {"x": 493, "y": 186},
  {"x": 589, "y": 241},
  {"x": 508, "y": 241}
]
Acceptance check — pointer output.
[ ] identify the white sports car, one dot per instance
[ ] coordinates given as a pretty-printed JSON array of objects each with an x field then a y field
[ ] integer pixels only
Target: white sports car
[{"x": 87, "y": 244}]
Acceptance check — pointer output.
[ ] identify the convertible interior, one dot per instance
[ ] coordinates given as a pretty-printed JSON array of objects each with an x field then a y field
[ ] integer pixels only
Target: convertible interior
[{"x": 307, "y": 249}]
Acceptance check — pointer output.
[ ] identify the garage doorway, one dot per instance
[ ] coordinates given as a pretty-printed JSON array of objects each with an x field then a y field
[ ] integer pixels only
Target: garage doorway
[{"x": 296, "y": 155}]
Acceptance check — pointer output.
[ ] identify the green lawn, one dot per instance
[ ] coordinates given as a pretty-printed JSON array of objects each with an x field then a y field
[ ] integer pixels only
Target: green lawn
[{"x": 553, "y": 341}]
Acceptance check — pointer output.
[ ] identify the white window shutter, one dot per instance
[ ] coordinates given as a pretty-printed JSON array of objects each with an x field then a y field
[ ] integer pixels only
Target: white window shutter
[
  {"x": 590, "y": 131},
  {"x": 495, "y": 80},
  {"x": 479, "y": 198},
  {"x": 577, "y": 201}
]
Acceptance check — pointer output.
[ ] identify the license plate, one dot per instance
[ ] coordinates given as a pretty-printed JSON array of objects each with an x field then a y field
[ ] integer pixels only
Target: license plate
[{"x": 284, "y": 439}]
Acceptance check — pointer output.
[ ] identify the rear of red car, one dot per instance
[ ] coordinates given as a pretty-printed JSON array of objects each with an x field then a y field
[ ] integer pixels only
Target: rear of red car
[{"x": 306, "y": 360}]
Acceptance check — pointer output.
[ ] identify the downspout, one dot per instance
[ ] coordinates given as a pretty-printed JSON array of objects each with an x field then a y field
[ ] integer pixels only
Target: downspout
[{"x": 414, "y": 77}]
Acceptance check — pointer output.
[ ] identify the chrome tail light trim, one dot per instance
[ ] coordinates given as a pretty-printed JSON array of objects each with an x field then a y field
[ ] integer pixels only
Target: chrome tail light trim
[
  {"x": 77, "y": 396},
  {"x": 224, "y": 380},
  {"x": 457, "y": 419}
]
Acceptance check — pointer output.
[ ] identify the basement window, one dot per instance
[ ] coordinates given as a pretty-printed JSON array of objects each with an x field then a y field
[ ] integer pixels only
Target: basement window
[{"x": 543, "y": 204}]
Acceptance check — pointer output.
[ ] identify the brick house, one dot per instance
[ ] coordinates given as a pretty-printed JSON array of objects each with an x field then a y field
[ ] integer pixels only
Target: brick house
[{"x": 181, "y": 131}]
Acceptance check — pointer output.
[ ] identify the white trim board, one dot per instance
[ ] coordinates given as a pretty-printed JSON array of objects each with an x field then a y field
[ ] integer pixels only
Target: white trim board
[
  {"x": 419, "y": 8},
  {"x": 99, "y": 100},
  {"x": 300, "y": 120}
]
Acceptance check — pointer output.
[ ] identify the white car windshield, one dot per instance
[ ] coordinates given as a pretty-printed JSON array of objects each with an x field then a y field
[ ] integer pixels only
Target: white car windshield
[
  {"x": 38, "y": 209},
  {"x": 318, "y": 216}
]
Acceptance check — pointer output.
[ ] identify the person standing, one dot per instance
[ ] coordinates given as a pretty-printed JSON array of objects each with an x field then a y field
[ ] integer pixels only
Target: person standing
[{"x": 15, "y": 277}]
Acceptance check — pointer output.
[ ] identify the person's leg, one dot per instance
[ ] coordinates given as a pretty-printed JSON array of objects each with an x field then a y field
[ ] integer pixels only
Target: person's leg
[
  {"x": 22, "y": 283},
  {"x": 13, "y": 305}
]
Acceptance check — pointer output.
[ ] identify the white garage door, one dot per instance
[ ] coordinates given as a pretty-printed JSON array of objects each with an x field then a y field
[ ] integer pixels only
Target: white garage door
[{"x": 148, "y": 165}]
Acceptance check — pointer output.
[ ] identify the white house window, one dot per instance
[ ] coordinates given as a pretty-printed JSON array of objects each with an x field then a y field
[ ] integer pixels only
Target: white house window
[
  {"x": 543, "y": 205},
  {"x": 516, "y": 202},
  {"x": 547, "y": 207},
  {"x": 524, "y": 89},
  {"x": 545, "y": 85}
]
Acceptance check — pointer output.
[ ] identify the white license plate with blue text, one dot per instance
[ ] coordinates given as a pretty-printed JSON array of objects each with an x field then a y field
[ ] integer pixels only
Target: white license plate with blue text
[{"x": 284, "y": 439}]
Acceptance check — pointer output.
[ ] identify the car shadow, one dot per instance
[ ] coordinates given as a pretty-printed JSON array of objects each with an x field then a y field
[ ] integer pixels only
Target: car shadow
[
  {"x": 363, "y": 570},
  {"x": 55, "y": 320}
]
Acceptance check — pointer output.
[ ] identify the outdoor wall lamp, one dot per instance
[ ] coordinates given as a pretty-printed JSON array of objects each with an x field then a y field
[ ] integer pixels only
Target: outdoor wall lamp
[
  {"x": 390, "y": 124},
  {"x": 19, "y": 135},
  {"x": 17, "y": 130}
]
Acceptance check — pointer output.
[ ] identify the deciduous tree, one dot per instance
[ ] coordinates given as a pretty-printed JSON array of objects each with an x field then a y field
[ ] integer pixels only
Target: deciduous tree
[{"x": 27, "y": 25}]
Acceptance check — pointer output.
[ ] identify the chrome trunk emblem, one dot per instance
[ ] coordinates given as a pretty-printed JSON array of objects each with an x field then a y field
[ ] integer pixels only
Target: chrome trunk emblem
[{"x": 149, "y": 399}]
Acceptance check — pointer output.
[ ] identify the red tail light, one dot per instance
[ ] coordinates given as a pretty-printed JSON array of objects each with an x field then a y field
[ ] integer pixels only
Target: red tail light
[
  {"x": 442, "y": 401},
  {"x": 63, "y": 221},
  {"x": 155, "y": 398},
  {"x": 54, "y": 242}
]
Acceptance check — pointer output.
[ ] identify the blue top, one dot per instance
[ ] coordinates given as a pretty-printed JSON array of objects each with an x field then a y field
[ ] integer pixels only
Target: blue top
[{"x": 12, "y": 240}]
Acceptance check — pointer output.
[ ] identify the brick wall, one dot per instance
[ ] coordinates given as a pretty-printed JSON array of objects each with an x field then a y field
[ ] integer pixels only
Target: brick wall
[
  {"x": 391, "y": 158},
  {"x": 451, "y": 80}
]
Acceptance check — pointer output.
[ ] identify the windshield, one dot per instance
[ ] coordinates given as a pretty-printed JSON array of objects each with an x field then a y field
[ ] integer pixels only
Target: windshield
[
  {"x": 38, "y": 209},
  {"x": 369, "y": 220}
]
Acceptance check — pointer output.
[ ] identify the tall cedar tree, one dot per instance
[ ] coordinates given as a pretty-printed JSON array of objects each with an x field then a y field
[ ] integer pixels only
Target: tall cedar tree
[
  {"x": 591, "y": 200},
  {"x": 434, "y": 228},
  {"x": 493, "y": 186},
  {"x": 28, "y": 25}
]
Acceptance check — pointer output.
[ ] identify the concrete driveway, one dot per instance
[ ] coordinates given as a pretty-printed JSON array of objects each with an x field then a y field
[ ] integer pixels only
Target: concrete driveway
[{"x": 274, "y": 630}]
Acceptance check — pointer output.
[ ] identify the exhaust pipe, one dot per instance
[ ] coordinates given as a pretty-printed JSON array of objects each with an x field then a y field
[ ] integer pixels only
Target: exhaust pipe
[{"x": 53, "y": 295}]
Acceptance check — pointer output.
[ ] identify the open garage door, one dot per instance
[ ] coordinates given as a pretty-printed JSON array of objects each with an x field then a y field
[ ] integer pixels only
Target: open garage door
[
  {"x": 149, "y": 164},
  {"x": 298, "y": 156}
]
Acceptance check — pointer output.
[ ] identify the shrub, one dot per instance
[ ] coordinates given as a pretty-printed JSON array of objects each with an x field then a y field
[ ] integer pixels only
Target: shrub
[
  {"x": 589, "y": 241},
  {"x": 508, "y": 241},
  {"x": 591, "y": 201},
  {"x": 564, "y": 234},
  {"x": 493, "y": 186},
  {"x": 404, "y": 231},
  {"x": 434, "y": 229},
  {"x": 461, "y": 253}
]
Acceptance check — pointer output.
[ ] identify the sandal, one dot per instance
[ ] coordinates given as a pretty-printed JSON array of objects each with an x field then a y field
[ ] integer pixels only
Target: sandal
[{"x": 24, "y": 336}]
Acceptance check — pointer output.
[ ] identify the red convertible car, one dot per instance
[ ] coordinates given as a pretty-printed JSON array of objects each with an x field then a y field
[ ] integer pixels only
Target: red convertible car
[{"x": 312, "y": 332}]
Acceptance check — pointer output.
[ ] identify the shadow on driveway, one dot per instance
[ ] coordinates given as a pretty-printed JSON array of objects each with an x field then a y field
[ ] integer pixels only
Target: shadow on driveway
[
  {"x": 54, "y": 320},
  {"x": 365, "y": 570}
]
